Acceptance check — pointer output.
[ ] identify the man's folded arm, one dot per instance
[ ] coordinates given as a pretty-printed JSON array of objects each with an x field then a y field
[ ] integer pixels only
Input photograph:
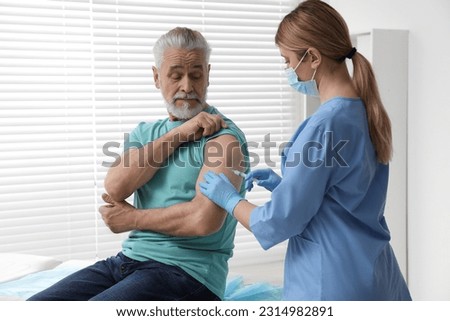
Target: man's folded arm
[{"x": 137, "y": 166}]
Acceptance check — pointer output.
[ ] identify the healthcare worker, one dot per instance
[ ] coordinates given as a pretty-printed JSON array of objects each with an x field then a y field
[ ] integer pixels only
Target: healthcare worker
[{"x": 329, "y": 202}]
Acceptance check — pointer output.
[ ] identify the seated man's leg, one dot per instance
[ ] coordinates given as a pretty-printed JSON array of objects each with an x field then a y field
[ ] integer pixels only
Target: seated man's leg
[
  {"x": 84, "y": 284},
  {"x": 154, "y": 281}
]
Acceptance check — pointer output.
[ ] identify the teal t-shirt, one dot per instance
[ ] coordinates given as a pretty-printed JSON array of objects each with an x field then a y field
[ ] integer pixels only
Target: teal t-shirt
[{"x": 204, "y": 258}]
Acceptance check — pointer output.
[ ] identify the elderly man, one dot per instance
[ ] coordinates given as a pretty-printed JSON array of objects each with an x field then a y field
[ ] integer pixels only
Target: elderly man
[{"x": 180, "y": 241}]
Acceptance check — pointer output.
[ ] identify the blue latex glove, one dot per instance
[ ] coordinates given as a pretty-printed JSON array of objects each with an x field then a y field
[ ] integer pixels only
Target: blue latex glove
[
  {"x": 266, "y": 178},
  {"x": 219, "y": 189}
]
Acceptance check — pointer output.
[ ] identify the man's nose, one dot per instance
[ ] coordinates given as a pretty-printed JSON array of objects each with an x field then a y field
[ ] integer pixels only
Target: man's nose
[{"x": 186, "y": 84}]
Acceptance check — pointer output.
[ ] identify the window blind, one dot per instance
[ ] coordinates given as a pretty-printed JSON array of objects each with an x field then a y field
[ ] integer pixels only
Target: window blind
[{"x": 76, "y": 78}]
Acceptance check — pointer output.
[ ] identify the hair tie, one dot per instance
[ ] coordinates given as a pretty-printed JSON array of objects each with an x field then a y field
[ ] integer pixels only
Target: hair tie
[{"x": 351, "y": 53}]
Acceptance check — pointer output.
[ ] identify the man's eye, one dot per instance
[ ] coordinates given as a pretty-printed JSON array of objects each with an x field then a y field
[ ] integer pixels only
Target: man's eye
[{"x": 196, "y": 76}]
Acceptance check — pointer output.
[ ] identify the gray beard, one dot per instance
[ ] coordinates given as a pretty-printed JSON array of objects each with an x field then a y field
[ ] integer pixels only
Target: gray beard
[{"x": 185, "y": 111}]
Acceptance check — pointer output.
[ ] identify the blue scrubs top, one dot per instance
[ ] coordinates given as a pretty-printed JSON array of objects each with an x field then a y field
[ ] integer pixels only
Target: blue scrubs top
[{"x": 330, "y": 205}]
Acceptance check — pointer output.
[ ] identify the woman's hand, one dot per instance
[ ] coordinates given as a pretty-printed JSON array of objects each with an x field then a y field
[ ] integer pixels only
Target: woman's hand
[
  {"x": 219, "y": 189},
  {"x": 266, "y": 178}
]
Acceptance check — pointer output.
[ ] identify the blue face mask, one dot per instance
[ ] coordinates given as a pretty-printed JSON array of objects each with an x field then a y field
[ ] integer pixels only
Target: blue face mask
[{"x": 308, "y": 87}]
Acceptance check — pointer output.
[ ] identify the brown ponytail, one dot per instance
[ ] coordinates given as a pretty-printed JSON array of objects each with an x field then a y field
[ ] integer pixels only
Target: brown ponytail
[
  {"x": 377, "y": 117},
  {"x": 316, "y": 24}
]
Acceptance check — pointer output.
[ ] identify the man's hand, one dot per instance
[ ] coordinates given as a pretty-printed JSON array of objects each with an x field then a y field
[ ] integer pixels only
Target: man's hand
[
  {"x": 203, "y": 124},
  {"x": 119, "y": 216}
]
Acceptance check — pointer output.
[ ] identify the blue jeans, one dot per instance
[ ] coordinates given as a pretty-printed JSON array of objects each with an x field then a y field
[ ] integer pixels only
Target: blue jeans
[{"x": 120, "y": 278}]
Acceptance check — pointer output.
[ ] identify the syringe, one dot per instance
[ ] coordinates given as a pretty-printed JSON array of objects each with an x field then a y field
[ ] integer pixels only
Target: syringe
[{"x": 243, "y": 175}]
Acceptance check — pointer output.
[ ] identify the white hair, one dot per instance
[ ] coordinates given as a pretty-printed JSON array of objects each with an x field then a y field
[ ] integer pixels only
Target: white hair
[{"x": 183, "y": 38}]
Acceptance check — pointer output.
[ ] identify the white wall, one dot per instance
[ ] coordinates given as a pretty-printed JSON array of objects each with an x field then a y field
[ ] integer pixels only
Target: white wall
[{"x": 428, "y": 131}]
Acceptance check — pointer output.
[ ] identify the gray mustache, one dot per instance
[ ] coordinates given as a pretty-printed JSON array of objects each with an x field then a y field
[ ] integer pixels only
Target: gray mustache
[{"x": 185, "y": 96}]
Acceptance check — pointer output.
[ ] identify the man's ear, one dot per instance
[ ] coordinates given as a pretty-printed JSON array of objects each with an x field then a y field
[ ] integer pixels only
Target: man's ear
[
  {"x": 156, "y": 77},
  {"x": 316, "y": 57},
  {"x": 207, "y": 79}
]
